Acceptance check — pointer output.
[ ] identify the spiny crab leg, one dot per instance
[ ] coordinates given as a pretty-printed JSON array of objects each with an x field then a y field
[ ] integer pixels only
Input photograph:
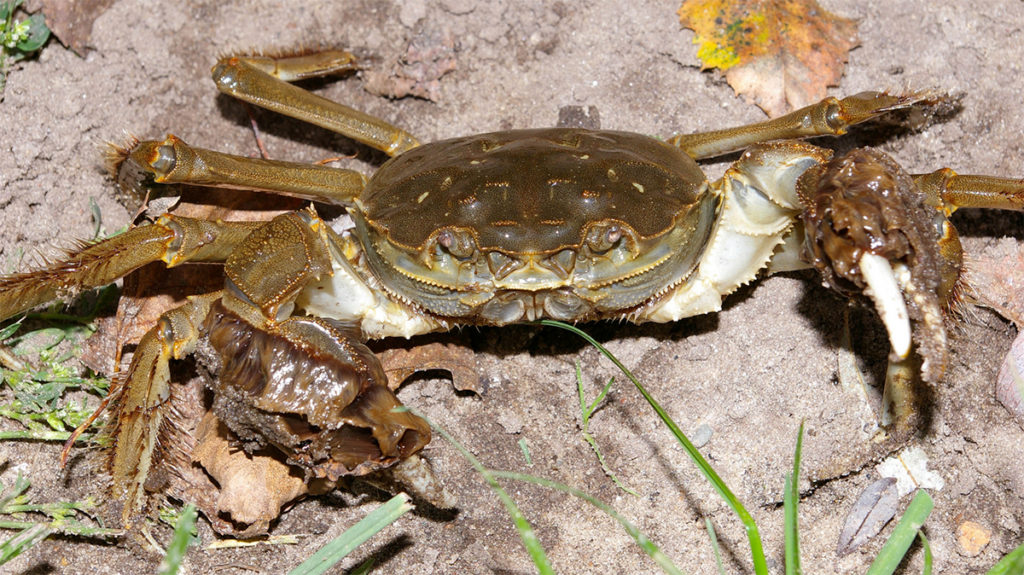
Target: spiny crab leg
[
  {"x": 884, "y": 289},
  {"x": 829, "y": 117},
  {"x": 142, "y": 426},
  {"x": 171, "y": 239}
]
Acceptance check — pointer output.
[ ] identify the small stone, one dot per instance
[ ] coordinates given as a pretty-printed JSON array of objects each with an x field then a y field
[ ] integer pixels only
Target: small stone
[
  {"x": 412, "y": 12},
  {"x": 972, "y": 537},
  {"x": 459, "y": 7},
  {"x": 511, "y": 423},
  {"x": 702, "y": 435},
  {"x": 579, "y": 117}
]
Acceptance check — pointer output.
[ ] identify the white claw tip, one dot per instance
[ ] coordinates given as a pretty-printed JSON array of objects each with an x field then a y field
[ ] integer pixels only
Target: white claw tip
[{"x": 884, "y": 290}]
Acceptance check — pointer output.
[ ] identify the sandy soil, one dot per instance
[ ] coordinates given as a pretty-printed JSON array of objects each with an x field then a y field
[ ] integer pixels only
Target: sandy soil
[{"x": 750, "y": 373}]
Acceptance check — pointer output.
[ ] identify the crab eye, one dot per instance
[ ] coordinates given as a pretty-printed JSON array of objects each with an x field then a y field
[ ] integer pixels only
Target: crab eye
[
  {"x": 458, "y": 243},
  {"x": 601, "y": 238}
]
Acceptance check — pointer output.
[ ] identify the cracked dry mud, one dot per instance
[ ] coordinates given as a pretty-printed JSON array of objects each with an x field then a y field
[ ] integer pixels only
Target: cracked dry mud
[{"x": 750, "y": 373}]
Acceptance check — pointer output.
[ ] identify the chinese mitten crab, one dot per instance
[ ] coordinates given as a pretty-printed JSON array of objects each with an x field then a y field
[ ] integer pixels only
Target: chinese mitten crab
[{"x": 494, "y": 229}]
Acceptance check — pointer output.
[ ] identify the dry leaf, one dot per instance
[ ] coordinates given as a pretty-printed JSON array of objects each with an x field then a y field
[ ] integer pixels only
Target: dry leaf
[
  {"x": 400, "y": 364},
  {"x": 250, "y": 489},
  {"x": 996, "y": 280},
  {"x": 780, "y": 54},
  {"x": 1010, "y": 381},
  {"x": 71, "y": 20},
  {"x": 875, "y": 507}
]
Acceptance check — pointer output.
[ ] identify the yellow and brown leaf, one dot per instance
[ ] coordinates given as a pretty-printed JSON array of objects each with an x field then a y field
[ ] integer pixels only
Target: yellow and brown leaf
[{"x": 780, "y": 54}]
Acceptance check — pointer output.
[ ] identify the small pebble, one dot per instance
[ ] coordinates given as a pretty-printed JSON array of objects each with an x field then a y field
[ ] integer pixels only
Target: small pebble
[
  {"x": 702, "y": 435},
  {"x": 972, "y": 537},
  {"x": 412, "y": 12}
]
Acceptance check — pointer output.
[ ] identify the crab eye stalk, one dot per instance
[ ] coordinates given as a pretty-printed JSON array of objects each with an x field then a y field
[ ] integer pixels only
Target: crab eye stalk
[
  {"x": 603, "y": 237},
  {"x": 458, "y": 243},
  {"x": 447, "y": 248},
  {"x": 834, "y": 116}
]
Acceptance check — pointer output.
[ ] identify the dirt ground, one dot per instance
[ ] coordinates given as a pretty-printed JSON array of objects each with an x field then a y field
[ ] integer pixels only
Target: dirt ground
[{"x": 750, "y": 373}]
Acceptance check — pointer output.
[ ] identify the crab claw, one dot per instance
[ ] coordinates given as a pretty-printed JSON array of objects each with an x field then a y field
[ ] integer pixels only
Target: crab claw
[
  {"x": 884, "y": 290},
  {"x": 871, "y": 230}
]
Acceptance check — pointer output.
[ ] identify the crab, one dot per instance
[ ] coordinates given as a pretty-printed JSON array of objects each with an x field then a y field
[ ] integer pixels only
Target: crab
[{"x": 495, "y": 229}]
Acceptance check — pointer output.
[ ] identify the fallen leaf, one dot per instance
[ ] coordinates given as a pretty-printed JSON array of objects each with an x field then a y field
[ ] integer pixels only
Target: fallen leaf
[
  {"x": 780, "y": 54},
  {"x": 71, "y": 20},
  {"x": 996, "y": 280},
  {"x": 875, "y": 507},
  {"x": 1010, "y": 381},
  {"x": 250, "y": 490},
  {"x": 458, "y": 360}
]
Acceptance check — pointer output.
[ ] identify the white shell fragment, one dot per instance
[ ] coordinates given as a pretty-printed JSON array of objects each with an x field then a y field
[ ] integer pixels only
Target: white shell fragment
[{"x": 910, "y": 470}]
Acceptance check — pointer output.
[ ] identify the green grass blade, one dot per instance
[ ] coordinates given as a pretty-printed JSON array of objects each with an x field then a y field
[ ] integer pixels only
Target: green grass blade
[
  {"x": 21, "y": 485},
  {"x": 24, "y": 540},
  {"x": 896, "y": 547},
  {"x": 329, "y": 555},
  {"x": 791, "y": 500},
  {"x": 66, "y": 528},
  {"x": 524, "y": 447},
  {"x": 1011, "y": 564},
  {"x": 753, "y": 535},
  {"x": 586, "y": 412},
  {"x": 714, "y": 545},
  {"x": 184, "y": 534},
  {"x": 652, "y": 550},
  {"x": 526, "y": 533},
  {"x": 9, "y": 330},
  {"x": 927, "y": 570}
]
